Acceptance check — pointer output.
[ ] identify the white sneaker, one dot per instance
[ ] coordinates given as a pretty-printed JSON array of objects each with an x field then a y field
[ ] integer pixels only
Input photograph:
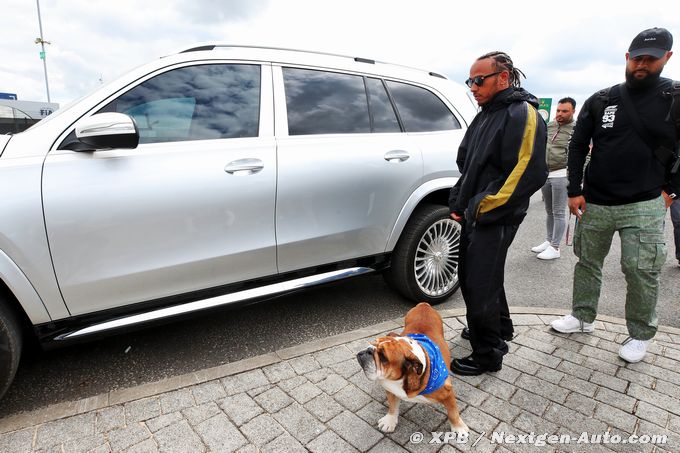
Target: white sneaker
[
  {"x": 541, "y": 247},
  {"x": 633, "y": 350},
  {"x": 551, "y": 253},
  {"x": 570, "y": 324}
]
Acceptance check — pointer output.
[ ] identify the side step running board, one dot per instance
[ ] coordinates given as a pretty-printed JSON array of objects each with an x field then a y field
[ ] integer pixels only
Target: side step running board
[{"x": 255, "y": 293}]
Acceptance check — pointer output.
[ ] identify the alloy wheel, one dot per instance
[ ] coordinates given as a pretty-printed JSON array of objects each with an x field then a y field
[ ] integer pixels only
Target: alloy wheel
[{"x": 436, "y": 260}]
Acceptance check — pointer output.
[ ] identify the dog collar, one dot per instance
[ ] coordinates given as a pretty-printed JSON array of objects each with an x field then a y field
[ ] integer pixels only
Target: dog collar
[{"x": 438, "y": 369}]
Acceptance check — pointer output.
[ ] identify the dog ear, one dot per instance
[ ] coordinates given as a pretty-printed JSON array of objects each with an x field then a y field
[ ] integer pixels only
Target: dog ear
[
  {"x": 413, "y": 373},
  {"x": 393, "y": 334},
  {"x": 416, "y": 365}
]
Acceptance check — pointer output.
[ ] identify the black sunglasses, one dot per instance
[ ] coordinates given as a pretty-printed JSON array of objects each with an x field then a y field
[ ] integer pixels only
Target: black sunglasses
[{"x": 479, "y": 80}]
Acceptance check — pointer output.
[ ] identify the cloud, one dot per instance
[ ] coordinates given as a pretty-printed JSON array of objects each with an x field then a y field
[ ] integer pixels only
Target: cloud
[
  {"x": 218, "y": 11},
  {"x": 575, "y": 48}
]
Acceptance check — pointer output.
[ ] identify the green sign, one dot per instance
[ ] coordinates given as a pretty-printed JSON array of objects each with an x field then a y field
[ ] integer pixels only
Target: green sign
[
  {"x": 544, "y": 105},
  {"x": 42, "y": 54}
]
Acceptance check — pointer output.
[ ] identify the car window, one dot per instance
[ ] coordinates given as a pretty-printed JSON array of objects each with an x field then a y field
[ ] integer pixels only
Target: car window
[
  {"x": 320, "y": 102},
  {"x": 420, "y": 109},
  {"x": 195, "y": 103},
  {"x": 382, "y": 113}
]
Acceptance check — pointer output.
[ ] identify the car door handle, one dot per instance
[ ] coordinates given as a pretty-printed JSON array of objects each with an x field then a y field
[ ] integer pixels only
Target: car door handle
[
  {"x": 244, "y": 166},
  {"x": 397, "y": 156}
]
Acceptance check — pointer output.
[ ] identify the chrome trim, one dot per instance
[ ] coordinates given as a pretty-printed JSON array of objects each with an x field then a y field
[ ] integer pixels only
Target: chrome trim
[
  {"x": 213, "y": 302},
  {"x": 113, "y": 127}
]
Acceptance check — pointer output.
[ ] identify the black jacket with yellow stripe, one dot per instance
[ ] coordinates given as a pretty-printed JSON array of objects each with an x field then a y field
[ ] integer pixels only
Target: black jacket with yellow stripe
[{"x": 501, "y": 160}]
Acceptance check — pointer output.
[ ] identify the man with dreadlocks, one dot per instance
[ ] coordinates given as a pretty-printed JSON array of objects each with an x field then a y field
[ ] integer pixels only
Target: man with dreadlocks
[{"x": 502, "y": 163}]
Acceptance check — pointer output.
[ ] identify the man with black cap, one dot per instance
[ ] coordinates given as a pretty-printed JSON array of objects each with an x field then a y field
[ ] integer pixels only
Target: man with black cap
[{"x": 626, "y": 189}]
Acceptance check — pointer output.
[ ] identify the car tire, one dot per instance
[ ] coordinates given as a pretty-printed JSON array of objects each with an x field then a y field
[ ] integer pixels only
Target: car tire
[
  {"x": 424, "y": 265},
  {"x": 10, "y": 345}
]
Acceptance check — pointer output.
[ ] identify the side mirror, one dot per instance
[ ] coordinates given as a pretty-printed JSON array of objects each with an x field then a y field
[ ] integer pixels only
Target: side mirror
[{"x": 107, "y": 131}]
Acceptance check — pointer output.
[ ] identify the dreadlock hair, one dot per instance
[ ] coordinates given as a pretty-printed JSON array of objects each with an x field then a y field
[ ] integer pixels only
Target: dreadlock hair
[{"x": 503, "y": 62}]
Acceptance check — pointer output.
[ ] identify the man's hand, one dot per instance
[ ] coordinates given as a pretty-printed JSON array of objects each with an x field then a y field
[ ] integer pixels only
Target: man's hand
[
  {"x": 577, "y": 206},
  {"x": 667, "y": 199},
  {"x": 456, "y": 217}
]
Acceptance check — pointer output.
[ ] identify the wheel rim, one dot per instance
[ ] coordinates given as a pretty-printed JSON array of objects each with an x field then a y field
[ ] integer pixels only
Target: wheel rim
[{"x": 436, "y": 260}]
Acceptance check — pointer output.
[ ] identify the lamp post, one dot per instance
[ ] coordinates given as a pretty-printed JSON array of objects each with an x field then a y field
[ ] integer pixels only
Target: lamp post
[{"x": 43, "y": 56}]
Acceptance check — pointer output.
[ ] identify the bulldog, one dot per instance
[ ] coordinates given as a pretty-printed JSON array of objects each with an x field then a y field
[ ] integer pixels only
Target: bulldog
[{"x": 413, "y": 366}]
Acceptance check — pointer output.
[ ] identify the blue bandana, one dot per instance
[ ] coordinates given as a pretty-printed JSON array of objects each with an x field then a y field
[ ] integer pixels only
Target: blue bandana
[{"x": 438, "y": 370}]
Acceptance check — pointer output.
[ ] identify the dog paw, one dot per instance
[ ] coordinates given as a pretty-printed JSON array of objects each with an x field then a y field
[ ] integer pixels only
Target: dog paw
[
  {"x": 461, "y": 428},
  {"x": 388, "y": 423}
]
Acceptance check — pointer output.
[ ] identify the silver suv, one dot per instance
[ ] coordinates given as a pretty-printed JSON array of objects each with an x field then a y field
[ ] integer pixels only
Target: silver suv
[{"x": 222, "y": 174}]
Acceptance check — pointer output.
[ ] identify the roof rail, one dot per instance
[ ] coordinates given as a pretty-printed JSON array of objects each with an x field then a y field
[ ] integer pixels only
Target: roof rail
[
  {"x": 196, "y": 49},
  {"x": 357, "y": 59}
]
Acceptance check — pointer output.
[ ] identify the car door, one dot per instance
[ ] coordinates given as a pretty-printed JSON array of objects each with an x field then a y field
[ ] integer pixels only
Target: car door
[
  {"x": 344, "y": 174},
  {"x": 191, "y": 208}
]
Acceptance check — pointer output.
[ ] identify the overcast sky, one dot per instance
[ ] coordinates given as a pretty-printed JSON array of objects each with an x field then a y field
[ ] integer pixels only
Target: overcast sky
[{"x": 570, "y": 48}]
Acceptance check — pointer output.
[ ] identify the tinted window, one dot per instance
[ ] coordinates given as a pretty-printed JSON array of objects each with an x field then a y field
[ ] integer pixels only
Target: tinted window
[
  {"x": 195, "y": 103},
  {"x": 325, "y": 102},
  {"x": 420, "y": 109},
  {"x": 382, "y": 112}
]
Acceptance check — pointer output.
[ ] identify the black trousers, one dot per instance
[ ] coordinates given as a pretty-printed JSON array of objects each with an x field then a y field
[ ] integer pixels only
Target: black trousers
[{"x": 484, "y": 249}]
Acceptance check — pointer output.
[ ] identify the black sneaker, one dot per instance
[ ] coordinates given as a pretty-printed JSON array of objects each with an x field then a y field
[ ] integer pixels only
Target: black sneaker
[{"x": 465, "y": 335}]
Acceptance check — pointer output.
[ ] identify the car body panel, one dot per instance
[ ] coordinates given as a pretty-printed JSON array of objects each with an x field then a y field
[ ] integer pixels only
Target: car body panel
[
  {"x": 410, "y": 205},
  {"x": 338, "y": 197},
  {"x": 19, "y": 285},
  {"x": 121, "y": 227},
  {"x": 22, "y": 229},
  {"x": 131, "y": 226}
]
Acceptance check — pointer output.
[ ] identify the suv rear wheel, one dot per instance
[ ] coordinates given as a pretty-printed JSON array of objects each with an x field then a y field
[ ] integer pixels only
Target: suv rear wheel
[
  {"x": 425, "y": 261},
  {"x": 10, "y": 345}
]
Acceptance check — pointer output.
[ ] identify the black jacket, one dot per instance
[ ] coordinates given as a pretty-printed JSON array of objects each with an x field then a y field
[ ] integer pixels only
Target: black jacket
[
  {"x": 622, "y": 168},
  {"x": 501, "y": 160}
]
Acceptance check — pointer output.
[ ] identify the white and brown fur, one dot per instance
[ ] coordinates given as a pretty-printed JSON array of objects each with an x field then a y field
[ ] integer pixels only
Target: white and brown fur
[{"x": 401, "y": 366}]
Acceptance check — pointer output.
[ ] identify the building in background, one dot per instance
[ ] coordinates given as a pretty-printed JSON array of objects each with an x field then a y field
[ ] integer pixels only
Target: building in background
[{"x": 17, "y": 116}]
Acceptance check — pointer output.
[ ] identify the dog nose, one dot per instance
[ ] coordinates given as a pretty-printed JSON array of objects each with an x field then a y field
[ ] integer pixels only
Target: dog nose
[{"x": 363, "y": 355}]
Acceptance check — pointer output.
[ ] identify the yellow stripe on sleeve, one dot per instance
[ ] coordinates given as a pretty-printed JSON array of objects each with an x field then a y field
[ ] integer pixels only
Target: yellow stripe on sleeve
[{"x": 525, "y": 151}]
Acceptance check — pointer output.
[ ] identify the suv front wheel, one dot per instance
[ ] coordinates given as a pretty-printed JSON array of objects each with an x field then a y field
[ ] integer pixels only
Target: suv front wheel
[
  {"x": 10, "y": 345},
  {"x": 424, "y": 264}
]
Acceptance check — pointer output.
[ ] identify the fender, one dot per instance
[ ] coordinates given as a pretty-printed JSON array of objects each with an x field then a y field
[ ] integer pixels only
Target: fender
[
  {"x": 413, "y": 201},
  {"x": 22, "y": 289}
]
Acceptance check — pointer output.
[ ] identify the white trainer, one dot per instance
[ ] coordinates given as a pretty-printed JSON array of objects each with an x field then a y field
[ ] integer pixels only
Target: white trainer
[
  {"x": 541, "y": 247},
  {"x": 570, "y": 324},
  {"x": 633, "y": 350},
  {"x": 551, "y": 253}
]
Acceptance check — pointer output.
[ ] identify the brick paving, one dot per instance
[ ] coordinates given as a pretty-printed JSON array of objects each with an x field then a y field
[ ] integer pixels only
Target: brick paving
[{"x": 316, "y": 398}]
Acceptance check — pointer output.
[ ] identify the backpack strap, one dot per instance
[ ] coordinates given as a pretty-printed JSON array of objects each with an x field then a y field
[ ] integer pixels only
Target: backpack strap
[
  {"x": 668, "y": 157},
  {"x": 674, "y": 116},
  {"x": 600, "y": 102},
  {"x": 674, "y": 110},
  {"x": 636, "y": 122}
]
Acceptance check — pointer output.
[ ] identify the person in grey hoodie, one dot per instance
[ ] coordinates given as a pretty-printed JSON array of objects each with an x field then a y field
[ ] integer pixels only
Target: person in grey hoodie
[{"x": 555, "y": 188}]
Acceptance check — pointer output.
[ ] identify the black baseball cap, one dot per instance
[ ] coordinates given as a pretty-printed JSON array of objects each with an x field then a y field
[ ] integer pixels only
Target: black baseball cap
[{"x": 653, "y": 41}]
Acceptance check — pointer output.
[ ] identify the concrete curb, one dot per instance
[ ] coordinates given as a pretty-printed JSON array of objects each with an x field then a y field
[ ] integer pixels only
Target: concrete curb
[{"x": 114, "y": 397}]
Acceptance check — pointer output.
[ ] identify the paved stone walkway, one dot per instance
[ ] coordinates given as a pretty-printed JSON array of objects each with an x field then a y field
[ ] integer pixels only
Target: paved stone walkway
[{"x": 315, "y": 398}]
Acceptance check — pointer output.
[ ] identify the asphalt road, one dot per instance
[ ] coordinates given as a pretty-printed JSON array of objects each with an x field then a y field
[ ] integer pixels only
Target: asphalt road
[{"x": 75, "y": 372}]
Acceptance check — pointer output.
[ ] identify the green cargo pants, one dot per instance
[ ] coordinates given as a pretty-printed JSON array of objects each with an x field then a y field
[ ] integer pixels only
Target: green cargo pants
[{"x": 643, "y": 253}]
